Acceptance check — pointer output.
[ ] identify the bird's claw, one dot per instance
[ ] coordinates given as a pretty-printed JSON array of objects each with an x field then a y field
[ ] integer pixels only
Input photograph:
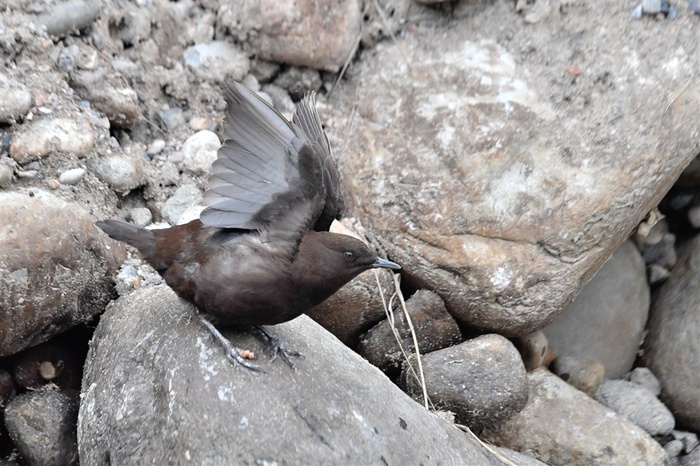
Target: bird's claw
[{"x": 278, "y": 348}]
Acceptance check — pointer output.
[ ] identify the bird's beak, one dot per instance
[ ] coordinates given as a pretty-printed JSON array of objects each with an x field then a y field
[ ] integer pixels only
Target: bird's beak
[{"x": 385, "y": 264}]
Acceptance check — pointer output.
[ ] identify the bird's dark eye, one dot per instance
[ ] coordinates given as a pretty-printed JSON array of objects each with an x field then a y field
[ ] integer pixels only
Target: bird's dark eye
[{"x": 349, "y": 255}]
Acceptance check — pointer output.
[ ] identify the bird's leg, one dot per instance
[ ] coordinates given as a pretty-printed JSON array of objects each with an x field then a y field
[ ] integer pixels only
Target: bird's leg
[
  {"x": 277, "y": 346},
  {"x": 232, "y": 353}
]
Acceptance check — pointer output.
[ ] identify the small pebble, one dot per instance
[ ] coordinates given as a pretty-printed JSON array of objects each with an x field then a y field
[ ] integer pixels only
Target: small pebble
[
  {"x": 53, "y": 184},
  {"x": 586, "y": 375},
  {"x": 141, "y": 216},
  {"x": 694, "y": 216},
  {"x": 199, "y": 152},
  {"x": 5, "y": 175},
  {"x": 176, "y": 205},
  {"x": 198, "y": 123},
  {"x": 72, "y": 177},
  {"x": 637, "y": 404},
  {"x": 46, "y": 136},
  {"x": 122, "y": 172},
  {"x": 643, "y": 377},
  {"x": 689, "y": 439},
  {"x": 657, "y": 273},
  {"x": 674, "y": 448},
  {"x": 217, "y": 60},
  {"x": 172, "y": 118},
  {"x": 156, "y": 147},
  {"x": 15, "y": 99},
  {"x": 29, "y": 174}
]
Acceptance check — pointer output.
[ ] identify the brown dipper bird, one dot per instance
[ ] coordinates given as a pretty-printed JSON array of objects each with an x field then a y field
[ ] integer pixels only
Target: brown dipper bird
[{"x": 260, "y": 253}]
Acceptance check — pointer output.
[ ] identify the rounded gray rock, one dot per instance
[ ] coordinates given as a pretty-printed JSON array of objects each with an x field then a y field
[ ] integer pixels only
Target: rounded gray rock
[
  {"x": 42, "y": 425},
  {"x": 564, "y": 427},
  {"x": 15, "y": 100},
  {"x": 637, "y": 404},
  {"x": 199, "y": 152},
  {"x": 672, "y": 344},
  {"x": 179, "y": 202},
  {"x": 158, "y": 389},
  {"x": 72, "y": 177},
  {"x": 483, "y": 381},
  {"x": 586, "y": 375},
  {"x": 607, "y": 319},
  {"x": 120, "y": 171},
  {"x": 434, "y": 326}
]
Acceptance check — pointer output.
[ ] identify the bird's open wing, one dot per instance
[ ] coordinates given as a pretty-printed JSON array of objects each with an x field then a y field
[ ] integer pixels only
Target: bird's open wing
[{"x": 270, "y": 173}]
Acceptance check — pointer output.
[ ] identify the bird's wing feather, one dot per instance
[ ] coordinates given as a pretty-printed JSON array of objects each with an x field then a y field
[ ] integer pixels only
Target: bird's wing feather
[
  {"x": 307, "y": 119},
  {"x": 270, "y": 174}
]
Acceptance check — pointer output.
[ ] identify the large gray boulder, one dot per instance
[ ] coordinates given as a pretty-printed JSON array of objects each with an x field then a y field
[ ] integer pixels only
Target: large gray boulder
[{"x": 157, "y": 389}]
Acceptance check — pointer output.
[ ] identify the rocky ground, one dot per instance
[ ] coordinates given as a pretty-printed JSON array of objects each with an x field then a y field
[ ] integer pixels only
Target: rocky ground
[{"x": 531, "y": 164}]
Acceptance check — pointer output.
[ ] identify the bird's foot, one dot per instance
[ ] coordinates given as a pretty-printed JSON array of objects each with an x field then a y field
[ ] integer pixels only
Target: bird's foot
[
  {"x": 234, "y": 354},
  {"x": 278, "y": 347}
]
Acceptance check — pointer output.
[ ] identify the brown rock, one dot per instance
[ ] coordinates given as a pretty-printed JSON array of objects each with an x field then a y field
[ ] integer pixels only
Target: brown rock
[
  {"x": 435, "y": 329},
  {"x": 586, "y": 375},
  {"x": 107, "y": 92},
  {"x": 55, "y": 268},
  {"x": 533, "y": 349},
  {"x": 43, "y": 426},
  {"x": 355, "y": 308},
  {"x": 319, "y": 35}
]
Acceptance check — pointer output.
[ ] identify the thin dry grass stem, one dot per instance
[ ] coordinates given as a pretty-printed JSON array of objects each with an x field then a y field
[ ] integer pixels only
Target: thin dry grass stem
[
  {"x": 420, "y": 377},
  {"x": 685, "y": 88},
  {"x": 385, "y": 20},
  {"x": 486, "y": 445},
  {"x": 351, "y": 55}
]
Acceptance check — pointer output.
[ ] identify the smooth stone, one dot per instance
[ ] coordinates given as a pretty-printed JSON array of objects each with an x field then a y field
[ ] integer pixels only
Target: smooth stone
[
  {"x": 15, "y": 99},
  {"x": 637, "y": 404},
  {"x": 562, "y": 426},
  {"x": 72, "y": 177},
  {"x": 42, "y": 425},
  {"x": 63, "y": 18},
  {"x": 645, "y": 378},
  {"x": 483, "y": 381},
  {"x": 217, "y": 60},
  {"x": 42, "y": 137},
  {"x": 5, "y": 175},
  {"x": 280, "y": 31},
  {"x": 141, "y": 216},
  {"x": 434, "y": 327},
  {"x": 106, "y": 90},
  {"x": 121, "y": 171},
  {"x": 199, "y": 152},
  {"x": 607, "y": 319},
  {"x": 533, "y": 349},
  {"x": 158, "y": 388},
  {"x": 155, "y": 147},
  {"x": 585, "y": 375},
  {"x": 56, "y": 268},
  {"x": 178, "y": 203},
  {"x": 672, "y": 344}
]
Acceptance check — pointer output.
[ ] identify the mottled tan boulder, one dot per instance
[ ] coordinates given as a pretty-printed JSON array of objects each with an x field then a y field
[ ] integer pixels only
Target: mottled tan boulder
[
  {"x": 279, "y": 31},
  {"x": 56, "y": 268},
  {"x": 495, "y": 180}
]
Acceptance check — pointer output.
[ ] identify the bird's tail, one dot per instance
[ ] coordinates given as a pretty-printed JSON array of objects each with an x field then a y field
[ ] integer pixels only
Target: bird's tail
[{"x": 138, "y": 237}]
